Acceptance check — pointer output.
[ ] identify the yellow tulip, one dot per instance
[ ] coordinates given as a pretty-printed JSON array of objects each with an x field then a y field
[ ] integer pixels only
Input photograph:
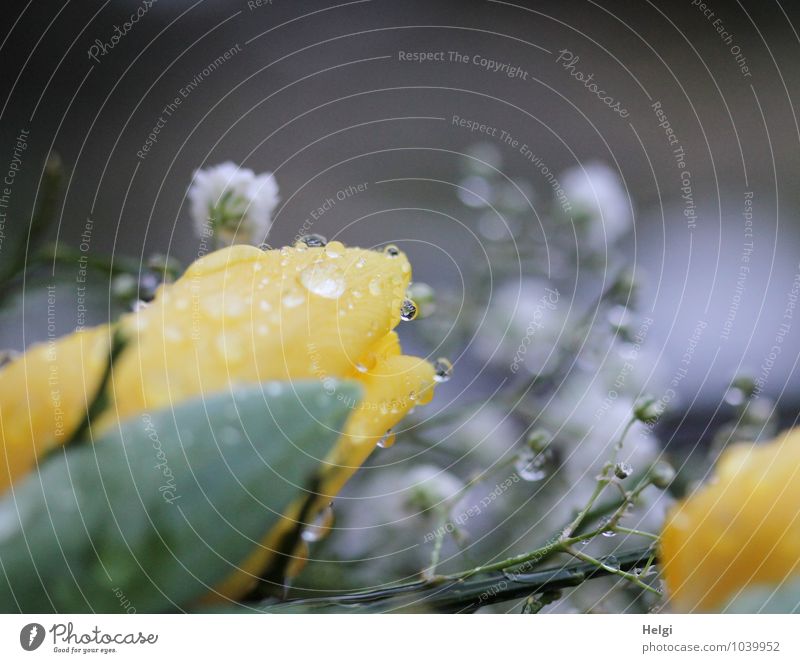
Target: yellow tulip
[
  {"x": 740, "y": 530},
  {"x": 237, "y": 316}
]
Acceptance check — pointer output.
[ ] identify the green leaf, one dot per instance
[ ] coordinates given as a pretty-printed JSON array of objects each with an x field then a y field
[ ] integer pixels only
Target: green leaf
[{"x": 165, "y": 506}]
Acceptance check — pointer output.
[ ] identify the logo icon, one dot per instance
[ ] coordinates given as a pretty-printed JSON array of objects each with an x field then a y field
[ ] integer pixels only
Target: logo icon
[{"x": 31, "y": 636}]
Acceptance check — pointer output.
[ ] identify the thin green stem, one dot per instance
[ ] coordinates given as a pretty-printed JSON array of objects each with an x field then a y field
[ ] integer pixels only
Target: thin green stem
[
  {"x": 637, "y": 532},
  {"x": 436, "y": 554},
  {"x": 613, "y": 570},
  {"x": 602, "y": 482}
]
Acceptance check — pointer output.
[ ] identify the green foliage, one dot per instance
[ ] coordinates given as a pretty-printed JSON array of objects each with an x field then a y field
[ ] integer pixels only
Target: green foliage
[{"x": 166, "y": 505}]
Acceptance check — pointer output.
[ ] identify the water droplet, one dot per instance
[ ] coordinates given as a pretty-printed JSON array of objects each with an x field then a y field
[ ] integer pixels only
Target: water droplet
[
  {"x": 139, "y": 305},
  {"x": 321, "y": 526},
  {"x": 391, "y": 251},
  {"x": 361, "y": 368},
  {"x": 408, "y": 310},
  {"x": 387, "y": 440},
  {"x": 334, "y": 249},
  {"x": 609, "y": 533},
  {"x": 376, "y": 286},
  {"x": 361, "y": 262},
  {"x": 293, "y": 299},
  {"x": 324, "y": 280},
  {"x": 313, "y": 240},
  {"x": 442, "y": 370},
  {"x": 612, "y": 563},
  {"x": 531, "y": 466},
  {"x": 623, "y": 470}
]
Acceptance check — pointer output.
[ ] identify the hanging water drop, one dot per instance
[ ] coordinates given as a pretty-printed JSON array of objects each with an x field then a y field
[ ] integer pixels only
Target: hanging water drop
[
  {"x": 408, "y": 310},
  {"x": 608, "y": 533},
  {"x": 321, "y": 526},
  {"x": 442, "y": 370},
  {"x": 612, "y": 563},
  {"x": 531, "y": 466},
  {"x": 623, "y": 470},
  {"x": 387, "y": 440}
]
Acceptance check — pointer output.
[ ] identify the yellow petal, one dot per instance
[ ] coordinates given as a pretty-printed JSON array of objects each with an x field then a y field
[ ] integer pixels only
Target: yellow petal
[
  {"x": 44, "y": 395},
  {"x": 739, "y": 530},
  {"x": 238, "y": 316}
]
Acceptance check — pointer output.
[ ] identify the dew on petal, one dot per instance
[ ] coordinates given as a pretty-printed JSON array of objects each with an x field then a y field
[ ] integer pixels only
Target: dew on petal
[
  {"x": 324, "y": 280},
  {"x": 293, "y": 299}
]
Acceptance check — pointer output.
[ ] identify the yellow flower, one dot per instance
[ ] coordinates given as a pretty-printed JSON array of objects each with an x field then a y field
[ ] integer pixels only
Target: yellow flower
[
  {"x": 237, "y": 316},
  {"x": 741, "y": 530}
]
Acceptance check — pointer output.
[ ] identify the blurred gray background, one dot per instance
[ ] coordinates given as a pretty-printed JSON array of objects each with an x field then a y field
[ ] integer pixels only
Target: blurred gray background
[{"x": 317, "y": 93}]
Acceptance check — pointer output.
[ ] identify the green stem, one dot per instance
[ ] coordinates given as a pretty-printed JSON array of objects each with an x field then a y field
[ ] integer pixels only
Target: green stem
[
  {"x": 614, "y": 570},
  {"x": 459, "y": 595},
  {"x": 637, "y": 532},
  {"x": 602, "y": 482}
]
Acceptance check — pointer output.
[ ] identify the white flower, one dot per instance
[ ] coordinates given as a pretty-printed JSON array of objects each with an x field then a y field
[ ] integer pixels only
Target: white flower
[
  {"x": 233, "y": 203},
  {"x": 596, "y": 192},
  {"x": 523, "y": 326},
  {"x": 390, "y": 515}
]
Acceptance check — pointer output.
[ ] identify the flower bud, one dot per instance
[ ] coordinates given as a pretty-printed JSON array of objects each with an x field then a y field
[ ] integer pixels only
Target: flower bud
[
  {"x": 662, "y": 474},
  {"x": 648, "y": 410},
  {"x": 538, "y": 440},
  {"x": 424, "y": 297}
]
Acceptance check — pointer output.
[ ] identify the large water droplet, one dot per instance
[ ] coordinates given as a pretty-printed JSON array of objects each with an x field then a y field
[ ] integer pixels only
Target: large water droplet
[
  {"x": 324, "y": 280},
  {"x": 321, "y": 526},
  {"x": 313, "y": 240},
  {"x": 391, "y": 251},
  {"x": 531, "y": 466},
  {"x": 612, "y": 563},
  {"x": 408, "y": 310},
  {"x": 442, "y": 370}
]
